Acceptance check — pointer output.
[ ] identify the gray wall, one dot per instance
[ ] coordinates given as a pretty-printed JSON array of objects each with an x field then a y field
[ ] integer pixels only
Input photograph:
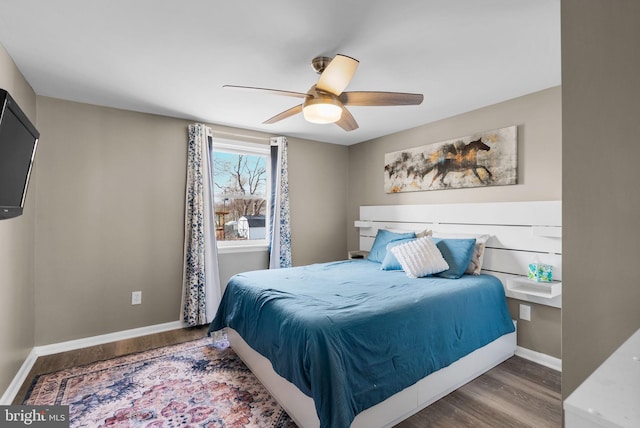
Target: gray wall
[
  {"x": 318, "y": 175},
  {"x": 601, "y": 207},
  {"x": 538, "y": 117},
  {"x": 17, "y": 251},
  {"x": 110, "y": 217}
]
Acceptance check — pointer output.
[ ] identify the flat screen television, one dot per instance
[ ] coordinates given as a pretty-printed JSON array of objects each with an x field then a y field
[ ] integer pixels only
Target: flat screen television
[{"x": 18, "y": 142}]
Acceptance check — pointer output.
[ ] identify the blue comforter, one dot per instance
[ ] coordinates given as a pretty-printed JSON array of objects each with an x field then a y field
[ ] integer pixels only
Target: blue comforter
[{"x": 349, "y": 335}]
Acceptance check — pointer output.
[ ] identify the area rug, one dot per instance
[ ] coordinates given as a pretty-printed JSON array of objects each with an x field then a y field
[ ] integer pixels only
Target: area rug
[{"x": 192, "y": 384}]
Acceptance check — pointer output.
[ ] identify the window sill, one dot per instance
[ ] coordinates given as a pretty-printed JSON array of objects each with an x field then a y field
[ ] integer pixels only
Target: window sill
[{"x": 228, "y": 249}]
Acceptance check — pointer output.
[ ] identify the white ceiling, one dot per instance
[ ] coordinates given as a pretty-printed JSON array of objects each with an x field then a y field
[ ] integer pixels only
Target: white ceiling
[{"x": 171, "y": 57}]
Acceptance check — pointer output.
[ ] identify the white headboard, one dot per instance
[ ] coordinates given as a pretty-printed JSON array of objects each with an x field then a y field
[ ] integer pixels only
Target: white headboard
[{"x": 520, "y": 233}]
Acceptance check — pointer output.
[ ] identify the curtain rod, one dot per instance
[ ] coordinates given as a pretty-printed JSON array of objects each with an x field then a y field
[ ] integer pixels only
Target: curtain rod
[{"x": 240, "y": 135}]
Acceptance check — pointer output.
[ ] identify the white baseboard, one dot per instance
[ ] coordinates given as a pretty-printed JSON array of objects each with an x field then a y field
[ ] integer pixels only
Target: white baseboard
[
  {"x": 54, "y": 348},
  {"x": 540, "y": 358},
  {"x": 106, "y": 338},
  {"x": 18, "y": 379}
]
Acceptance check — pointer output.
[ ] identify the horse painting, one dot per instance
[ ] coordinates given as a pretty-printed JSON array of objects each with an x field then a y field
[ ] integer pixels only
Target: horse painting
[
  {"x": 485, "y": 159},
  {"x": 455, "y": 160}
]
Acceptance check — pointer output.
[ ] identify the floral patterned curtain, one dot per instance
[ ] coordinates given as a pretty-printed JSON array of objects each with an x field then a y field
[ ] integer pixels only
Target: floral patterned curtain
[
  {"x": 280, "y": 229},
  {"x": 201, "y": 283}
]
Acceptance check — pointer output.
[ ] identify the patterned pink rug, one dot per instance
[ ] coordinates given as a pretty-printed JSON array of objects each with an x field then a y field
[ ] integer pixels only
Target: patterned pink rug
[{"x": 188, "y": 385}]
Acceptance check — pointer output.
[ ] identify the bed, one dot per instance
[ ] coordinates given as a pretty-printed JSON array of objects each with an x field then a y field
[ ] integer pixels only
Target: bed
[{"x": 348, "y": 344}]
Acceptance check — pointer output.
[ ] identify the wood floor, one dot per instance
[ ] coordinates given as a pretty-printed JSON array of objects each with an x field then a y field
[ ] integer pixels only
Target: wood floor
[{"x": 517, "y": 393}]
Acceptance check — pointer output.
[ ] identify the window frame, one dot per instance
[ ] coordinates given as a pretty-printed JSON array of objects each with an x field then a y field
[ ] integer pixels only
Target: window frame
[{"x": 242, "y": 147}]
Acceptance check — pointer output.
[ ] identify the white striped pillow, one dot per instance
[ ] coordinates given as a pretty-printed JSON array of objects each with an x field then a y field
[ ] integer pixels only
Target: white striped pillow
[{"x": 420, "y": 257}]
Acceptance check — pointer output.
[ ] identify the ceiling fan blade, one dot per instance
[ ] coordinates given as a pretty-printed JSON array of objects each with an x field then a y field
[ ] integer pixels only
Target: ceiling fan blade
[
  {"x": 371, "y": 98},
  {"x": 335, "y": 78},
  {"x": 272, "y": 91},
  {"x": 347, "y": 122},
  {"x": 285, "y": 114}
]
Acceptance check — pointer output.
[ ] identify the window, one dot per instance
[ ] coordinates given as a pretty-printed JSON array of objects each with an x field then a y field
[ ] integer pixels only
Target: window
[{"x": 241, "y": 175}]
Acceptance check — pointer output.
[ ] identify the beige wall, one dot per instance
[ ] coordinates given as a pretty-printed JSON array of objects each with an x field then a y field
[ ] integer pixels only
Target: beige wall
[
  {"x": 318, "y": 175},
  {"x": 601, "y": 207},
  {"x": 538, "y": 117},
  {"x": 110, "y": 217},
  {"x": 109, "y": 220},
  {"x": 17, "y": 251}
]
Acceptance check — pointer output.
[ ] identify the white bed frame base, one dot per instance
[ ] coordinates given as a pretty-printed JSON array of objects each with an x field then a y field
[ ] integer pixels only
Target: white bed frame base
[
  {"x": 519, "y": 232},
  {"x": 395, "y": 408}
]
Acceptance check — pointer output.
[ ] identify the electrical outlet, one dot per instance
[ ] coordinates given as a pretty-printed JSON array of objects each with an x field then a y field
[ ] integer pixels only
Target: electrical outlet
[
  {"x": 525, "y": 312},
  {"x": 136, "y": 297}
]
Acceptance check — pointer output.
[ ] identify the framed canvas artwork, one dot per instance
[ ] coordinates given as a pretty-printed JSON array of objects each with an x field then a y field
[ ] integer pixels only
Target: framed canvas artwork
[{"x": 485, "y": 159}]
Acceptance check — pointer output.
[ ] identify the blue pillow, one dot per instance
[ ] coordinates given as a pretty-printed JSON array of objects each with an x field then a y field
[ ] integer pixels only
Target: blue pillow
[
  {"x": 457, "y": 253},
  {"x": 390, "y": 262},
  {"x": 383, "y": 237}
]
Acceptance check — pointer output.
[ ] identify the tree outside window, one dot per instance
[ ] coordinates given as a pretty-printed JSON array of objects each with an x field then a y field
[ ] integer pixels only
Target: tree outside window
[{"x": 240, "y": 180}]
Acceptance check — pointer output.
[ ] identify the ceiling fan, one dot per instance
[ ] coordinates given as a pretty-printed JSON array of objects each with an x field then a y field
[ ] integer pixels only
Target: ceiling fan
[{"x": 325, "y": 102}]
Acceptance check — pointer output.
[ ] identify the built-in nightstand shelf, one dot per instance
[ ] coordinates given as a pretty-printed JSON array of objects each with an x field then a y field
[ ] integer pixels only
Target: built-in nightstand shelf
[
  {"x": 547, "y": 290},
  {"x": 358, "y": 254},
  {"x": 363, "y": 224}
]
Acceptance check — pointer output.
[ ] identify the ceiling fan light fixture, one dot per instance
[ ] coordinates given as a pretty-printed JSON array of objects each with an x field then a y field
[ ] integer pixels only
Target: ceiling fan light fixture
[
  {"x": 322, "y": 110},
  {"x": 326, "y": 101}
]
